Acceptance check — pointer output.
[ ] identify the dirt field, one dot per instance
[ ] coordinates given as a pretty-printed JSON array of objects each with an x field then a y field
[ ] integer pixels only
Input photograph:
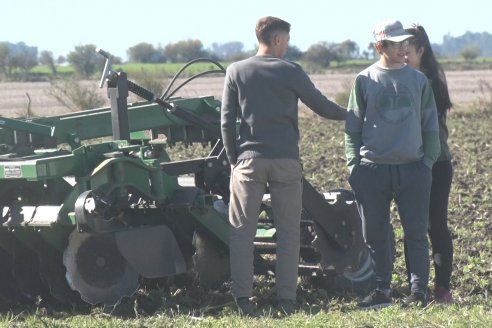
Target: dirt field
[{"x": 464, "y": 88}]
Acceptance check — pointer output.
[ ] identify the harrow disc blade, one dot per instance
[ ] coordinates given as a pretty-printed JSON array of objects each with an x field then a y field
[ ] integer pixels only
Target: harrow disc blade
[
  {"x": 352, "y": 257},
  {"x": 51, "y": 269},
  {"x": 9, "y": 291},
  {"x": 26, "y": 269},
  {"x": 210, "y": 261},
  {"x": 97, "y": 270}
]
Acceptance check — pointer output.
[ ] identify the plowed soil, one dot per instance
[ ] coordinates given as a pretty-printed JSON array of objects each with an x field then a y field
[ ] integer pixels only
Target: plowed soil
[{"x": 464, "y": 89}]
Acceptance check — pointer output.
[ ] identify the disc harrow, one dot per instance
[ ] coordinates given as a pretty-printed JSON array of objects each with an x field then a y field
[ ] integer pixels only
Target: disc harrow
[{"x": 91, "y": 202}]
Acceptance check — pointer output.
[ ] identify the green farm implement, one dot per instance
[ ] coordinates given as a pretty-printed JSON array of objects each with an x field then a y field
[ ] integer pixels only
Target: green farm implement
[{"x": 92, "y": 204}]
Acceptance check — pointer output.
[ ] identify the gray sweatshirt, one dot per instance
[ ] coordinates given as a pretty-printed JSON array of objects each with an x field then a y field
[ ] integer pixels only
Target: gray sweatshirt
[
  {"x": 263, "y": 93},
  {"x": 392, "y": 118}
]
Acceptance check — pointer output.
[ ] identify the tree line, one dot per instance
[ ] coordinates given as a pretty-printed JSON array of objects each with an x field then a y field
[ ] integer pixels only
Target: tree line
[{"x": 16, "y": 60}]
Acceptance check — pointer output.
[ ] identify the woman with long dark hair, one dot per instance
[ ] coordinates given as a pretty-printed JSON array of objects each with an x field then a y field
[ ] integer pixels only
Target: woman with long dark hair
[{"x": 421, "y": 57}]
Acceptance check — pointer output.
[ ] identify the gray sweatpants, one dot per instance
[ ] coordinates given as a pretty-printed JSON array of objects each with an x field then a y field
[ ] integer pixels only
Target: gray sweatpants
[
  {"x": 249, "y": 181},
  {"x": 375, "y": 186}
]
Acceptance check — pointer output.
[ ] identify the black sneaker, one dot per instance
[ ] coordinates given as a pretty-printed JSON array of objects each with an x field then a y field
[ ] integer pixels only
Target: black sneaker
[
  {"x": 245, "y": 307},
  {"x": 415, "y": 299},
  {"x": 287, "y": 306},
  {"x": 377, "y": 299}
]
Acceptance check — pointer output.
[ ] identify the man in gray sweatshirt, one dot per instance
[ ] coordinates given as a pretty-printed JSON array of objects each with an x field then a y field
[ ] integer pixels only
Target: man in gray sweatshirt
[
  {"x": 392, "y": 141},
  {"x": 262, "y": 92}
]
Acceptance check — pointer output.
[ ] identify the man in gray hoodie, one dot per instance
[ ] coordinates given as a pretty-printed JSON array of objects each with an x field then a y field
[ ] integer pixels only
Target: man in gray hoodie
[{"x": 263, "y": 92}]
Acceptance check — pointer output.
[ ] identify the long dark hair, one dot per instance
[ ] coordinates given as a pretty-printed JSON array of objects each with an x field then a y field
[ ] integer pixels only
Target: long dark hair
[{"x": 431, "y": 68}]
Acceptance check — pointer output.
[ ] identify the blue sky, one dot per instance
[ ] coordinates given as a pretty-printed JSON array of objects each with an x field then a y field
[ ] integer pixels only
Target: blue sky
[{"x": 60, "y": 25}]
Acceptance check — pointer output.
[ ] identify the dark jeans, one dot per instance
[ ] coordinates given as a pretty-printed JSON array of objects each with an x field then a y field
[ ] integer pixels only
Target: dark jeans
[
  {"x": 375, "y": 187},
  {"x": 441, "y": 242}
]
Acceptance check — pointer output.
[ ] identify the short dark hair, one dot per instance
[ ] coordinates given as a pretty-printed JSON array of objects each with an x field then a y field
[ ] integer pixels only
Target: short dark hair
[{"x": 267, "y": 26}]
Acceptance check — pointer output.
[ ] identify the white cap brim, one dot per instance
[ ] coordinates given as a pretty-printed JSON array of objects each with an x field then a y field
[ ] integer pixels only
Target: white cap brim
[{"x": 399, "y": 38}]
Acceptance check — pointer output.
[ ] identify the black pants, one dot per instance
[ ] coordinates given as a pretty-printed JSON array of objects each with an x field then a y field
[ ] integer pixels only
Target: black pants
[
  {"x": 375, "y": 187},
  {"x": 441, "y": 242}
]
